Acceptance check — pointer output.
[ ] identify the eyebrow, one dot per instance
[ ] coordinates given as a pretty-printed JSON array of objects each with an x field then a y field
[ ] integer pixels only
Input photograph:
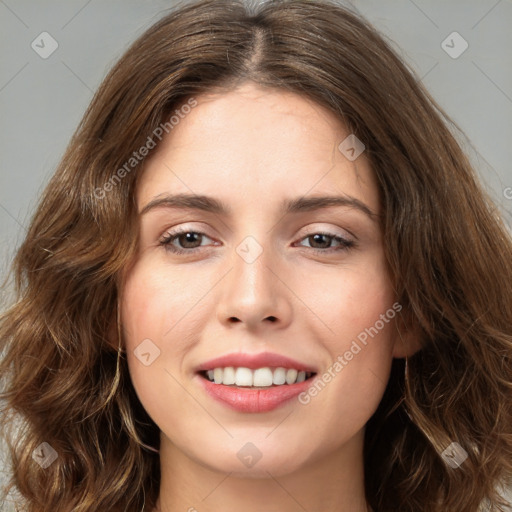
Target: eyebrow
[{"x": 298, "y": 205}]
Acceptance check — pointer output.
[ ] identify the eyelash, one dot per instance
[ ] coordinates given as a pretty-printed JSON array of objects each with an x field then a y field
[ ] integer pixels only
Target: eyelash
[{"x": 345, "y": 245}]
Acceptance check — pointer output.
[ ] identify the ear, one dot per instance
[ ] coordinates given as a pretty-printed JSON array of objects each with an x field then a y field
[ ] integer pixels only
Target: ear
[{"x": 407, "y": 337}]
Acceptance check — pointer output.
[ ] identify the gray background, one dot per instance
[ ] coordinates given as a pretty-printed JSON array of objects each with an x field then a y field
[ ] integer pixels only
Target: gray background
[{"x": 42, "y": 100}]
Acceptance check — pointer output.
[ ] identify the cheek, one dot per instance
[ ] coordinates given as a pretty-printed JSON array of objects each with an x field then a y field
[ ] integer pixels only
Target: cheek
[
  {"x": 360, "y": 315},
  {"x": 156, "y": 302},
  {"x": 150, "y": 315},
  {"x": 355, "y": 300},
  {"x": 350, "y": 389},
  {"x": 162, "y": 305}
]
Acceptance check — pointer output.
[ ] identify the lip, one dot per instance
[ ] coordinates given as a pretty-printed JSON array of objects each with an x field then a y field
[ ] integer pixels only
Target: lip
[
  {"x": 255, "y": 361},
  {"x": 254, "y": 400},
  {"x": 251, "y": 400}
]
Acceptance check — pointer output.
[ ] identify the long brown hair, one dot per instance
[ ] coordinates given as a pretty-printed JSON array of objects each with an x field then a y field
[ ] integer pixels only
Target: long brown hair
[{"x": 449, "y": 254}]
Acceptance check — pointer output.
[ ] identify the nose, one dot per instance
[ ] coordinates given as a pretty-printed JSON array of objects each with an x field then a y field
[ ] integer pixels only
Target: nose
[{"x": 254, "y": 294}]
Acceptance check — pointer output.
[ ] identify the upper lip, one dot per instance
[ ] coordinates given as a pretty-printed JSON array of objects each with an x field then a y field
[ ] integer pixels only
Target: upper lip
[{"x": 254, "y": 361}]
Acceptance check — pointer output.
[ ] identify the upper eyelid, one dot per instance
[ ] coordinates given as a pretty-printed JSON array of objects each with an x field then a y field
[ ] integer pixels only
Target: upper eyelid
[
  {"x": 336, "y": 221},
  {"x": 204, "y": 230}
]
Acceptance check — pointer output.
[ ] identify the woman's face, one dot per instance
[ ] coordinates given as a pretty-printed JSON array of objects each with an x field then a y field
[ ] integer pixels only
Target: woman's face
[{"x": 259, "y": 279}]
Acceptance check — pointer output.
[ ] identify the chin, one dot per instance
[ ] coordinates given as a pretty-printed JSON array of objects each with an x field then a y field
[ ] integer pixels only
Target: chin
[{"x": 276, "y": 461}]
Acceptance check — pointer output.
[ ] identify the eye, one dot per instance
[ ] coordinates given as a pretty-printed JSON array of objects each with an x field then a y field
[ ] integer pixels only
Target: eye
[
  {"x": 324, "y": 240},
  {"x": 190, "y": 241}
]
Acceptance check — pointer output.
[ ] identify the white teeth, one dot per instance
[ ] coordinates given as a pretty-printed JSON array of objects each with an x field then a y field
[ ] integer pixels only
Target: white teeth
[
  {"x": 279, "y": 376},
  {"x": 218, "y": 375},
  {"x": 291, "y": 376},
  {"x": 229, "y": 376},
  {"x": 243, "y": 377},
  {"x": 261, "y": 377}
]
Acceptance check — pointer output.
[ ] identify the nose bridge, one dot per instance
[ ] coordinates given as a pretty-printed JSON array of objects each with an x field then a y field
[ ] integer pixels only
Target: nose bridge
[
  {"x": 252, "y": 282},
  {"x": 252, "y": 293}
]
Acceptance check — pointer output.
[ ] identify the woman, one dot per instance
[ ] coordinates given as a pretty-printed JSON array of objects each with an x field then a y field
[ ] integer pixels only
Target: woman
[{"x": 342, "y": 339}]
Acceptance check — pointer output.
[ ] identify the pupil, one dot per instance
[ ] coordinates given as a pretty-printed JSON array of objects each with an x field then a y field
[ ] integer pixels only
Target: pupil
[
  {"x": 189, "y": 238},
  {"x": 316, "y": 238}
]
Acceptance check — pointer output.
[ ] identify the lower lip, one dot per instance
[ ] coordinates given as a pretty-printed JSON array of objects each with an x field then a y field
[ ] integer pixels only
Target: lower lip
[{"x": 253, "y": 399}]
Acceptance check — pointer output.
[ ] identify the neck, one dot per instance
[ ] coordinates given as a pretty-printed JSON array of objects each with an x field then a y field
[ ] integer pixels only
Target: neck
[{"x": 332, "y": 483}]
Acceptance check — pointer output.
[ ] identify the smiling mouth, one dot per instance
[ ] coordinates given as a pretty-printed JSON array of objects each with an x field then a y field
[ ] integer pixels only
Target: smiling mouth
[{"x": 260, "y": 378}]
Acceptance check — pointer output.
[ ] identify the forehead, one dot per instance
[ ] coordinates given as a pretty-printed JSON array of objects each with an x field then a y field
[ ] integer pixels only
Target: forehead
[{"x": 253, "y": 143}]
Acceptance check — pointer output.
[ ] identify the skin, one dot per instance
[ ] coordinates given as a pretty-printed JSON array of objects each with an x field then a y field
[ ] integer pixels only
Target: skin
[{"x": 252, "y": 148}]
